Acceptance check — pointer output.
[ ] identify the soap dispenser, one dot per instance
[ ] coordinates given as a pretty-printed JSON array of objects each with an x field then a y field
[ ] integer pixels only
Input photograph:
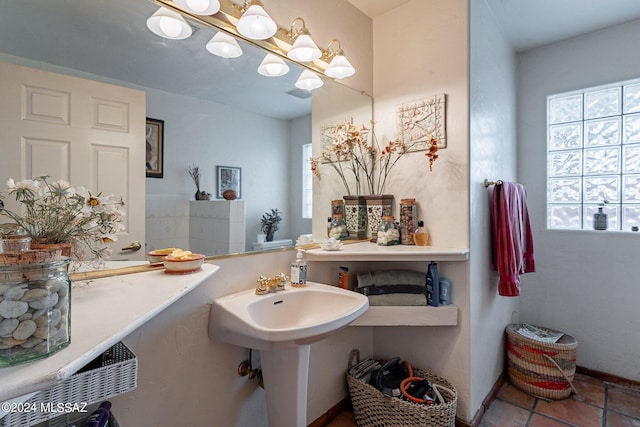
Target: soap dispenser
[
  {"x": 299, "y": 271},
  {"x": 600, "y": 218}
]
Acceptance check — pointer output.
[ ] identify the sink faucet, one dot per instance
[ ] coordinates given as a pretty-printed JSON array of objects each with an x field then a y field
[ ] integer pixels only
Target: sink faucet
[{"x": 268, "y": 284}]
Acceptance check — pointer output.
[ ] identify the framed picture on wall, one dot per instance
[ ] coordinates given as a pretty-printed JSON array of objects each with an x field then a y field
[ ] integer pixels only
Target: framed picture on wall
[
  {"x": 229, "y": 178},
  {"x": 155, "y": 147}
]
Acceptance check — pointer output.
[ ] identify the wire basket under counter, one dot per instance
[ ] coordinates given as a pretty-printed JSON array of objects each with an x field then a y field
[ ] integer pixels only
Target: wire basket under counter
[{"x": 113, "y": 373}]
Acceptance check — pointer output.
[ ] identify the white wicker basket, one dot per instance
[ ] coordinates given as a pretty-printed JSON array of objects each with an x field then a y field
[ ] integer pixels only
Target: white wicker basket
[{"x": 113, "y": 373}]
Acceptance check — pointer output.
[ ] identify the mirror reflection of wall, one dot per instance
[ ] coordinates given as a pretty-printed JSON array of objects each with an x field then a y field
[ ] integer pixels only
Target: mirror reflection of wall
[{"x": 214, "y": 111}]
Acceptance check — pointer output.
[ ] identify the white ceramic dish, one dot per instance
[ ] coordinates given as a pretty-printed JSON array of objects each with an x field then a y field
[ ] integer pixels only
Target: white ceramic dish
[
  {"x": 183, "y": 266},
  {"x": 155, "y": 258}
]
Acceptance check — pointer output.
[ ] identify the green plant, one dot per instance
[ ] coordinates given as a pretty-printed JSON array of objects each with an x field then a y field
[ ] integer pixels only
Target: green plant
[{"x": 270, "y": 222}]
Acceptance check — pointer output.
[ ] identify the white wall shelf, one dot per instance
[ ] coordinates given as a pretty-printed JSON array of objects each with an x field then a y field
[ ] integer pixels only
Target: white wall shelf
[
  {"x": 446, "y": 315},
  {"x": 367, "y": 251},
  {"x": 396, "y": 315}
]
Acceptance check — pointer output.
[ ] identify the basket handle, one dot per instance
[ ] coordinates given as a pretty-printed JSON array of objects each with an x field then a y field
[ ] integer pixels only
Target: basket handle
[
  {"x": 562, "y": 372},
  {"x": 355, "y": 354}
]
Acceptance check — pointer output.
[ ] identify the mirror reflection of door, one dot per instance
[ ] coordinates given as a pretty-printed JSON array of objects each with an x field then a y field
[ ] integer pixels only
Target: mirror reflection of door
[{"x": 88, "y": 133}]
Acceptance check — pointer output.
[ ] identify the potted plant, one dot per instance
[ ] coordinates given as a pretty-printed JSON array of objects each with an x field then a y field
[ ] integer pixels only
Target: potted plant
[
  {"x": 270, "y": 223},
  {"x": 54, "y": 213}
]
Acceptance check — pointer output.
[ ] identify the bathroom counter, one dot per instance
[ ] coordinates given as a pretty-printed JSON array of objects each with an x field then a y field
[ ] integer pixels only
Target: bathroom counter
[{"x": 103, "y": 311}]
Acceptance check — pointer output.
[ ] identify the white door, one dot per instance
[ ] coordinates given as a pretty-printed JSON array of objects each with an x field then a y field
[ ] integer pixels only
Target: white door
[{"x": 89, "y": 133}]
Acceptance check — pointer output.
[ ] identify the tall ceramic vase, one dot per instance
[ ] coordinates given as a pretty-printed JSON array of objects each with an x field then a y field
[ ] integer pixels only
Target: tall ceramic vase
[
  {"x": 378, "y": 205},
  {"x": 356, "y": 216}
]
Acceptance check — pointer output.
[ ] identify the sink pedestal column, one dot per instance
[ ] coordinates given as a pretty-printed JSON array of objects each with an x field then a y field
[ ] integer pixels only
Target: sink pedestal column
[{"x": 286, "y": 374}]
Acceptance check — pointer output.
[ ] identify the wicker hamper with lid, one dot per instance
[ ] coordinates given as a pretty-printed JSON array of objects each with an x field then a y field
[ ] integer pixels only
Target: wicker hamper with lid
[
  {"x": 539, "y": 368},
  {"x": 373, "y": 409}
]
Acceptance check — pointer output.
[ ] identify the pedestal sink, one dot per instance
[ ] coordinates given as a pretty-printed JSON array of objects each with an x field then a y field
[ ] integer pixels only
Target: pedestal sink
[{"x": 282, "y": 325}]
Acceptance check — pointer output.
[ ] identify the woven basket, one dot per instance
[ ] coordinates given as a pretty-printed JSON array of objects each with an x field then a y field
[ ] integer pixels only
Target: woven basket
[
  {"x": 541, "y": 369},
  {"x": 113, "y": 373},
  {"x": 373, "y": 409}
]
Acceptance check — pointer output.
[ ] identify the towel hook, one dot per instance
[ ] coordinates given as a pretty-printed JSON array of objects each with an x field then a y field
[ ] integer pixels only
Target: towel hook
[{"x": 488, "y": 183}]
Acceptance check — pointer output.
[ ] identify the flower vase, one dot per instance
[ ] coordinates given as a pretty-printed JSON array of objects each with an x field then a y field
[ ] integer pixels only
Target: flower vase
[
  {"x": 378, "y": 205},
  {"x": 356, "y": 216}
]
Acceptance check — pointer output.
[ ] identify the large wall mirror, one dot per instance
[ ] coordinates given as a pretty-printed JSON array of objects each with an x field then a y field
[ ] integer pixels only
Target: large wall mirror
[{"x": 215, "y": 111}]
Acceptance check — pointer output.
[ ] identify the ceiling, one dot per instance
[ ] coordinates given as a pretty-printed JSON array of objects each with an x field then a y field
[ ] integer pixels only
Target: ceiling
[{"x": 532, "y": 23}]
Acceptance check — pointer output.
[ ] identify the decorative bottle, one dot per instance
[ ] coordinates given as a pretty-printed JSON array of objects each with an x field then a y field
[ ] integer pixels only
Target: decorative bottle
[
  {"x": 420, "y": 236},
  {"x": 299, "y": 271},
  {"x": 388, "y": 232},
  {"x": 338, "y": 228},
  {"x": 407, "y": 221},
  {"x": 600, "y": 219}
]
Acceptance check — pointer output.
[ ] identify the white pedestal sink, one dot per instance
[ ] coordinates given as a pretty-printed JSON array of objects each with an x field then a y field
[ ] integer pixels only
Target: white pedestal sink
[{"x": 282, "y": 325}]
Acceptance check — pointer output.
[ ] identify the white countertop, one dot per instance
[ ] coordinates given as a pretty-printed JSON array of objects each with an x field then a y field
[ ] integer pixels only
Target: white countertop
[
  {"x": 367, "y": 251},
  {"x": 103, "y": 311}
]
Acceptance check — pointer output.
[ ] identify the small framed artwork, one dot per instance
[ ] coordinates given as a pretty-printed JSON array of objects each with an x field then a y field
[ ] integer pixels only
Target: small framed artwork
[
  {"x": 155, "y": 148},
  {"x": 229, "y": 178}
]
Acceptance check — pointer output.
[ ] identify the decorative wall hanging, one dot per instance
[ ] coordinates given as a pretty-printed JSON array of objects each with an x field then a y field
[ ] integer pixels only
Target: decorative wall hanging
[
  {"x": 419, "y": 121},
  {"x": 154, "y": 148},
  {"x": 229, "y": 178}
]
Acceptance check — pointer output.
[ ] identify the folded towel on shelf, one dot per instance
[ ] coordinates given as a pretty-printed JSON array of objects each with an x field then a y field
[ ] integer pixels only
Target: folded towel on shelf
[
  {"x": 392, "y": 289},
  {"x": 398, "y": 299},
  {"x": 392, "y": 278},
  {"x": 512, "y": 237}
]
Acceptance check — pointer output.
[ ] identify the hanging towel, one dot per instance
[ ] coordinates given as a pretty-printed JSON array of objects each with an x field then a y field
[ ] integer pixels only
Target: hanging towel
[{"x": 512, "y": 237}]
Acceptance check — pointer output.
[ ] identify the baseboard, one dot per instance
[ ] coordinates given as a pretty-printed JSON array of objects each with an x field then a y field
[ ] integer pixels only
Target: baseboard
[
  {"x": 324, "y": 419},
  {"x": 603, "y": 376},
  {"x": 475, "y": 421}
]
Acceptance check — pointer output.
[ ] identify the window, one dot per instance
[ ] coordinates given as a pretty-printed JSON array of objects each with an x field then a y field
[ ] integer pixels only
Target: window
[
  {"x": 307, "y": 182},
  {"x": 593, "y": 156}
]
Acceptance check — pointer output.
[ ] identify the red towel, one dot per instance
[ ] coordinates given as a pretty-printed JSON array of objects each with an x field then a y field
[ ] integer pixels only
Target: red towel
[{"x": 512, "y": 238}]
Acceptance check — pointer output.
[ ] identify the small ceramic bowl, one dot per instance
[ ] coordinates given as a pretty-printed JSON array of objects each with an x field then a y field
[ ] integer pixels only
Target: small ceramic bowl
[
  {"x": 183, "y": 266},
  {"x": 155, "y": 258}
]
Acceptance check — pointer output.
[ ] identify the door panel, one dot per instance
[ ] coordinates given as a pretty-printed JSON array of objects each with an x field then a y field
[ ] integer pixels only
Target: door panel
[{"x": 89, "y": 133}]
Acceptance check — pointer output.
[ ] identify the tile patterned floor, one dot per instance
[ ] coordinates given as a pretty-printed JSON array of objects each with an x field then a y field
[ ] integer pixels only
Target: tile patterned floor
[{"x": 597, "y": 404}]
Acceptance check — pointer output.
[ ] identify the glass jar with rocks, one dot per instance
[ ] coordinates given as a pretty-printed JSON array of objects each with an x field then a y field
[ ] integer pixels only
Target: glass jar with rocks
[
  {"x": 34, "y": 310},
  {"x": 338, "y": 228},
  {"x": 388, "y": 232}
]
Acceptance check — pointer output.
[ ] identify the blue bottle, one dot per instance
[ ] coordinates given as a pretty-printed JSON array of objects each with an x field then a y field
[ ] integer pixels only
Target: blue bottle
[{"x": 433, "y": 285}]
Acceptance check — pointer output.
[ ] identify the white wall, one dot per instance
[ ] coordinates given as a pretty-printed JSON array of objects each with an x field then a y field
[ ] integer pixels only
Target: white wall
[
  {"x": 586, "y": 282},
  {"x": 492, "y": 155},
  {"x": 186, "y": 379},
  {"x": 209, "y": 134},
  {"x": 420, "y": 50}
]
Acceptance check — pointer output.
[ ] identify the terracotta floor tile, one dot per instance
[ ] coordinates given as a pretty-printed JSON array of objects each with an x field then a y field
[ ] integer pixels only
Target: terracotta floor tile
[
  {"x": 513, "y": 395},
  {"x": 625, "y": 401},
  {"x": 582, "y": 377},
  {"x": 571, "y": 411},
  {"x": 538, "y": 420},
  {"x": 618, "y": 420},
  {"x": 344, "y": 419},
  {"x": 589, "y": 393},
  {"x": 504, "y": 414}
]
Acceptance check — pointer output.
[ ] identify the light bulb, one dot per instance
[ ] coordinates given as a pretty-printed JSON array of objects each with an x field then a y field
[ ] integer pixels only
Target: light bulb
[
  {"x": 224, "y": 45},
  {"x": 308, "y": 81},
  {"x": 169, "y": 24},
  {"x": 256, "y": 24},
  {"x": 273, "y": 66},
  {"x": 304, "y": 49},
  {"x": 199, "y": 7},
  {"x": 170, "y": 27},
  {"x": 340, "y": 68}
]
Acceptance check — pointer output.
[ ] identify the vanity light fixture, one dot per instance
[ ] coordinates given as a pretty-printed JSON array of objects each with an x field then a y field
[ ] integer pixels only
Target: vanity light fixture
[
  {"x": 169, "y": 24},
  {"x": 273, "y": 66},
  {"x": 199, "y": 7},
  {"x": 339, "y": 67},
  {"x": 308, "y": 80},
  {"x": 255, "y": 23},
  {"x": 304, "y": 48},
  {"x": 224, "y": 45}
]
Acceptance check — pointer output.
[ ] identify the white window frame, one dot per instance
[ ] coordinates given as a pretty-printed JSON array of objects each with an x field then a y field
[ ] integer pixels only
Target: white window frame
[
  {"x": 622, "y": 213},
  {"x": 307, "y": 182}
]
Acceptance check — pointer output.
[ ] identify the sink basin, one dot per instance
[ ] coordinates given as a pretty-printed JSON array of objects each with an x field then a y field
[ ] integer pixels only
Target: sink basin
[
  {"x": 295, "y": 316},
  {"x": 282, "y": 326}
]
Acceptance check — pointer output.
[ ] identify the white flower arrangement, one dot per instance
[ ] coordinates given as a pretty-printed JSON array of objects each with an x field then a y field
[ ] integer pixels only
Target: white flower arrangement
[{"x": 55, "y": 212}]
